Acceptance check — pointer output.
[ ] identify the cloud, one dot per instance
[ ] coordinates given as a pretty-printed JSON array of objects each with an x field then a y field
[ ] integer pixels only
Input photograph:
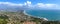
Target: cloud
[
  {"x": 28, "y": 5},
  {"x": 42, "y": 5},
  {"x": 10, "y": 4}
]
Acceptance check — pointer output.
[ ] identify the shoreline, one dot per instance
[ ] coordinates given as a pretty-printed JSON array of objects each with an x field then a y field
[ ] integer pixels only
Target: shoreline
[
  {"x": 26, "y": 13},
  {"x": 35, "y": 16}
]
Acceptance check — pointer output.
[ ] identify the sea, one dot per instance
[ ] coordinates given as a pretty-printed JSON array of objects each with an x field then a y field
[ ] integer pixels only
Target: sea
[{"x": 52, "y": 15}]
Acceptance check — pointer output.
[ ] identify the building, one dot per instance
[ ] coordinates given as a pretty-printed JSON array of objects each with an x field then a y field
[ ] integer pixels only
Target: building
[{"x": 29, "y": 22}]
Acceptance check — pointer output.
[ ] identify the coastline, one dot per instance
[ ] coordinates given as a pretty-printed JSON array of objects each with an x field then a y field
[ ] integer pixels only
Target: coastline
[
  {"x": 35, "y": 16},
  {"x": 29, "y": 14},
  {"x": 26, "y": 13}
]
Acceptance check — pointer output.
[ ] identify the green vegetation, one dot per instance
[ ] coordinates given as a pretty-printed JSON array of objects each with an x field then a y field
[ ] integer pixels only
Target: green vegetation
[
  {"x": 17, "y": 18},
  {"x": 3, "y": 19}
]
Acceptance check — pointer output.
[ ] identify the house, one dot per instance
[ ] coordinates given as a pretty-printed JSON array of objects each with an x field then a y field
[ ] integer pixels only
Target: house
[{"x": 29, "y": 22}]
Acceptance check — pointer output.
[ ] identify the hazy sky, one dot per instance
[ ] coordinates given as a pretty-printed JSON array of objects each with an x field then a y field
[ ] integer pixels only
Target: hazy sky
[{"x": 33, "y": 4}]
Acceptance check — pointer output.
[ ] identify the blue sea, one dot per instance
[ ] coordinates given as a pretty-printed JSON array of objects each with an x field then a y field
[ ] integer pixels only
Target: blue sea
[{"x": 49, "y": 14}]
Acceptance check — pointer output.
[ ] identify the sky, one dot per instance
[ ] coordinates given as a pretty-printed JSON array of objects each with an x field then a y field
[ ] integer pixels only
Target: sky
[
  {"x": 33, "y": 1},
  {"x": 31, "y": 4}
]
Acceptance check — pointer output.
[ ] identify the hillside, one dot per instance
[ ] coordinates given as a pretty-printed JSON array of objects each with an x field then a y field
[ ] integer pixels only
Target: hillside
[{"x": 19, "y": 18}]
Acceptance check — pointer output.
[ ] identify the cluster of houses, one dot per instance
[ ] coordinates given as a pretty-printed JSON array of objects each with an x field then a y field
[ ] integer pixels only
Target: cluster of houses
[{"x": 21, "y": 18}]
